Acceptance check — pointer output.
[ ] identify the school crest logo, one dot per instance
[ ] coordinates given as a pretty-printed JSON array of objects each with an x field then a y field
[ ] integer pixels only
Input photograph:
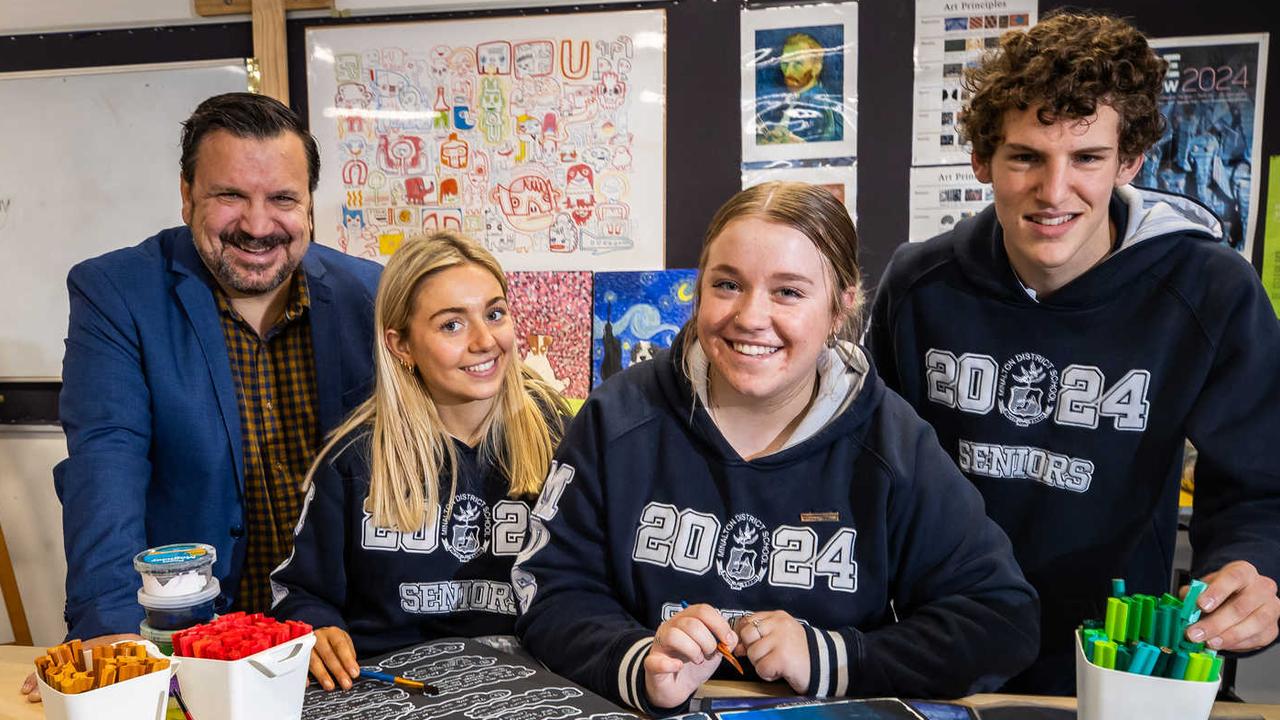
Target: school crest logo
[
  {"x": 465, "y": 533},
  {"x": 742, "y": 556},
  {"x": 1028, "y": 389}
]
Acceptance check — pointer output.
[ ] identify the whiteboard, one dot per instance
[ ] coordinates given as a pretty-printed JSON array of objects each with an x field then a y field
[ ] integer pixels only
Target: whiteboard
[{"x": 88, "y": 163}]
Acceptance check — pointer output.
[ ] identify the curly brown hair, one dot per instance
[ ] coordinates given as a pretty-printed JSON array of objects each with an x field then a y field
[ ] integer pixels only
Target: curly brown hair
[{"x": 1067, "y": 65}]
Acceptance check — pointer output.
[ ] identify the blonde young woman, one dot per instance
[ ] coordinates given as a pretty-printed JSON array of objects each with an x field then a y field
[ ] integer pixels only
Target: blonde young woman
[
  {"x": 760, "y": 473},
  {"x": 416, "y": 507}
]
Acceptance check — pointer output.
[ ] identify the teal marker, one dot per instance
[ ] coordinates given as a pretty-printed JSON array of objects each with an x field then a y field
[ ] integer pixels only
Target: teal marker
[
  {"x": 1117, "y": 587},
  {"x": 1190, "y": 612},
  {"x": 1178, "y": 668},
  {"x": 1144, "y": 659}
]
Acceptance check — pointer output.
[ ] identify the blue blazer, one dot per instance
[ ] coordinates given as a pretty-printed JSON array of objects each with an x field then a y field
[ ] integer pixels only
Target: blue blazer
[{"x": 149, "y": 408}]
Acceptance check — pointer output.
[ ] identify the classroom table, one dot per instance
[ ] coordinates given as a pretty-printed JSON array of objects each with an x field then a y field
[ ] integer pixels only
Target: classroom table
[{"x": 16, "y": 662}]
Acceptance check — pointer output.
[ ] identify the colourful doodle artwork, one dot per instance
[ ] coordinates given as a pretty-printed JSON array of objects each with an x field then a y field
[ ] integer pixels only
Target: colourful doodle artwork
[
  {"x": 637, "y": 314},
  {"x": 544, "y": 143},
  {"x": 552, "y": 311}
]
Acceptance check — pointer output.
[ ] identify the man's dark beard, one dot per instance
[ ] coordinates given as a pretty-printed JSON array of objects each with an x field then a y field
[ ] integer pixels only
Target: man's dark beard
[{"x": 225, "y": 271}]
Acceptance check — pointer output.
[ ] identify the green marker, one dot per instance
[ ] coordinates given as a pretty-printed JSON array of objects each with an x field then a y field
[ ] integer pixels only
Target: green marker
[
  {"x": 1161, "y": 668},
  {"x": 1124, "y": 658},
  {"x": 1148, "y": 605},
  {"x": 1133, "y": 624},
  {"x": 1198, "y": 665},
  {"x": 1215, "y": 671},
  {"x": 1108, "y": 651},
  {"x": 1117, "y": 611}
]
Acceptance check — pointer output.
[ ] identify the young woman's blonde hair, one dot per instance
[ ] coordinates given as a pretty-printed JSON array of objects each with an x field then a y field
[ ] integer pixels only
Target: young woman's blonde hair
[{"x": 409, "y": 447}]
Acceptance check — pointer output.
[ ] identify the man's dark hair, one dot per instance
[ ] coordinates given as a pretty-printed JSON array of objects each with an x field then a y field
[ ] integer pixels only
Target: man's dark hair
[
  {"x": 245, "y": 115},
  {"x": 1067, "y": 65}
]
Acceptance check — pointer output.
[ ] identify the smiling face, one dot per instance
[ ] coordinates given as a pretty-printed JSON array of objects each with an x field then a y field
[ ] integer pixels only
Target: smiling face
[
  {"x": 765, "y": 312},
  {"x": 1053, "y": 185},
  {"x": 460, "y": 336},
  {"x": 248, "y": 207}
]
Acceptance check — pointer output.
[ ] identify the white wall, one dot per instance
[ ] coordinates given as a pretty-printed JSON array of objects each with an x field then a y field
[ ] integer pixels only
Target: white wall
[
  {"x": 32, "y": 520},
  {"x": 34, "y": 16}
]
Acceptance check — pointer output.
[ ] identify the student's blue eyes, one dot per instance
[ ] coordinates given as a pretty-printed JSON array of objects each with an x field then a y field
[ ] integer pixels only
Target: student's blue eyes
[
  {"x": 787, "y": 293},
  {"x": 493, "y": 315}
]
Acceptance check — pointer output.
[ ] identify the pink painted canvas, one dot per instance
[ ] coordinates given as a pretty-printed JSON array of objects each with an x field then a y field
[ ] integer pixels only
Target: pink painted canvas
[{"x": 552, "y": 312}]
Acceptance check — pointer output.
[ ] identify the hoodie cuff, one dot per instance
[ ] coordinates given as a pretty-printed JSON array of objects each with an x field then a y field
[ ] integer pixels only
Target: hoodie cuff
[
  {"x": 631, "y": 682},
  {"x": 832, "y": 658}
]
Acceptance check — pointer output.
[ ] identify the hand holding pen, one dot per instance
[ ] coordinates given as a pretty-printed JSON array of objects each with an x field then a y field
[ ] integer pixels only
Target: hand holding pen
[{"x": 685, "y": 653}]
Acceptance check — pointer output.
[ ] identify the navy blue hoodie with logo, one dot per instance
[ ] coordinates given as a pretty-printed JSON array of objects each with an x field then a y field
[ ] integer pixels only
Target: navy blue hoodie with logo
[
  {"x": 1069, "y": 414},
  {"x": 390, "y": 589},
  {"x": 864, "y": 531}
]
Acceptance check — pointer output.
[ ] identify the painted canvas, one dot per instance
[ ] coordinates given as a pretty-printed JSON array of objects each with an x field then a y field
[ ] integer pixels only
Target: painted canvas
[
  {"x": 637, "y": 314},
  {"x": 552, "y": 311}
]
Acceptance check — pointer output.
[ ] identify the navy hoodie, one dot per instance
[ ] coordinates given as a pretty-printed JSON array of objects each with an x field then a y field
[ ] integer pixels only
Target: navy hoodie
[
  {"x": 389, "y": 589},
  {"x": 648, "y": 505},
  {"x": 1069, "y": 414}
]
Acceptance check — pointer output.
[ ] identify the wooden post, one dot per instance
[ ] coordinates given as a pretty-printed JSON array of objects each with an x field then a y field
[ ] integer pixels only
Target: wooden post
[{"x": 269, "y": 48}]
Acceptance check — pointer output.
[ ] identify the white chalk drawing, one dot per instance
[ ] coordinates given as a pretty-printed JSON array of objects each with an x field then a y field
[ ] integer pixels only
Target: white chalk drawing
[{"x": 475, "y": 682}]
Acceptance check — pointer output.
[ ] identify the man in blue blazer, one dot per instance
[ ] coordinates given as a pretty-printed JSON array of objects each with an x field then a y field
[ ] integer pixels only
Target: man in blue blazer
[{"x": 203, "y": 368}]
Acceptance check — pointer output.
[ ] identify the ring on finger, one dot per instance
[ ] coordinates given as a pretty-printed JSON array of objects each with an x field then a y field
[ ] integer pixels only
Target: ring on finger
[{"x": 755, "y": 623}]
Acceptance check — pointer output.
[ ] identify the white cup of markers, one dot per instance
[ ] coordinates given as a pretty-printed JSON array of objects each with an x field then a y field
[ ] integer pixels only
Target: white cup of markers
[{"x": 1137, "y": 662}]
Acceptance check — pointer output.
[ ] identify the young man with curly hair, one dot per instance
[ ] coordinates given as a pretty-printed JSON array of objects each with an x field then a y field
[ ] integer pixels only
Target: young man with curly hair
[{"x": 1065, "y": 341}]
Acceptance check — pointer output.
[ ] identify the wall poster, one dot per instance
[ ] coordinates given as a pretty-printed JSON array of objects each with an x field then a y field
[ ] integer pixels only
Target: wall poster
[
  {"x": 799, "y": 82},
  {"x": 540, "y": 138},
  {"x": 942, "y": 196},
  {"x": 952, "y": 35},
  {"x": 1212, "y": 145}
]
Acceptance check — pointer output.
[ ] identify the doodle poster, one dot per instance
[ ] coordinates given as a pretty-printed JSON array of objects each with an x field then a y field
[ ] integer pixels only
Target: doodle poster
[
  {"x": 540, "y": 138},
  {"x": 552, "y": 311},
  {"x": 637, "y": 314}
]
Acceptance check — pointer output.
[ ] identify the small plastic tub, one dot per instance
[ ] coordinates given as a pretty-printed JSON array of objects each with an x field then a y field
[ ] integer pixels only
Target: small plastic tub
[
  {"x": 178, "y": 613},
  {"x": 176, "y": 570},
  {"x": 162, "y": 639}
]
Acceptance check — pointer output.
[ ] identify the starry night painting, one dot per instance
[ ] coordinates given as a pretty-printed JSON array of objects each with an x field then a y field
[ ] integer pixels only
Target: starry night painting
[{"x": 635, "y": 315}]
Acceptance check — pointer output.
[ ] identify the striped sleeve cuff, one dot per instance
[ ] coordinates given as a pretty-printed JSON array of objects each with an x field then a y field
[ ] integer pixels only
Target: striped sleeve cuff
[
  {"x": 631, "y": 682},
  {"x": 830, "y": 662},
  {"x": 631, "y": 673}
]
